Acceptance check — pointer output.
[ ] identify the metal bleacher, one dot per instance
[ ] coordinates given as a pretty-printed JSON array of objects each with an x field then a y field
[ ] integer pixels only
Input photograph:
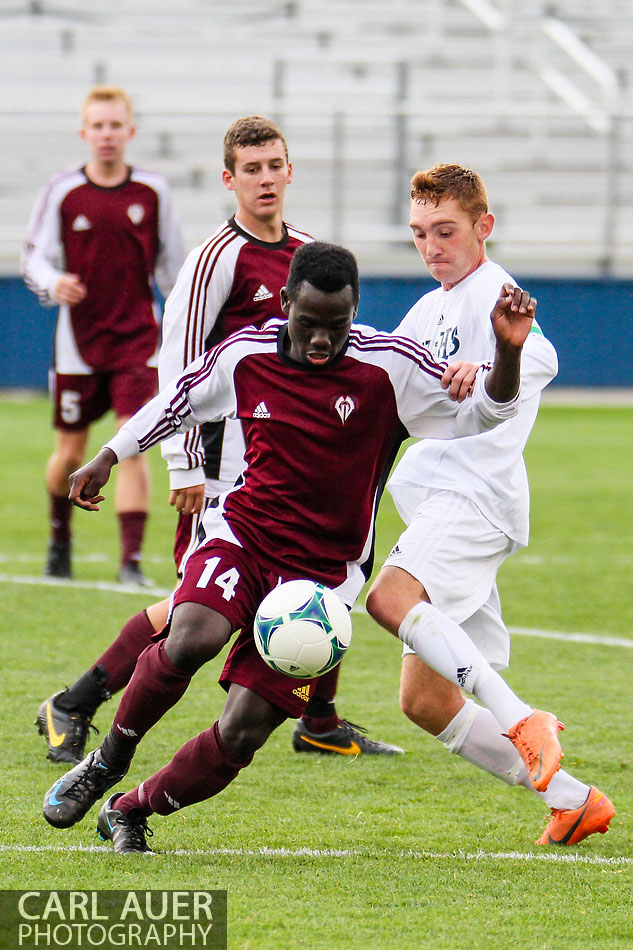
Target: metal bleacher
[{"x": 535, "y": 96}]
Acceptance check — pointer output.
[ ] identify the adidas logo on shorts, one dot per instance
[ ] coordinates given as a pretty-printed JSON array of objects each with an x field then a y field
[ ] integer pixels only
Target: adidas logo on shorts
[
  {"x": 261, "y": 411},
  {"x": 302, "y": 692}
]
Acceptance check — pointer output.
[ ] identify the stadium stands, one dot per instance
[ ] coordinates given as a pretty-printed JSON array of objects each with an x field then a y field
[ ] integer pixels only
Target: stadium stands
[{"x": 533, "y": 95}]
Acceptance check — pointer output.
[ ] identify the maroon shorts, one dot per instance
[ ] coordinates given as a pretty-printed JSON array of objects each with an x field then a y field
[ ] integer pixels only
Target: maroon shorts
[
  {"x": 187, "y": 535},
  {"x": 224, "y": 577},
  {"x": 81, "y": 400},
  {"x": 184, "y": 533}
]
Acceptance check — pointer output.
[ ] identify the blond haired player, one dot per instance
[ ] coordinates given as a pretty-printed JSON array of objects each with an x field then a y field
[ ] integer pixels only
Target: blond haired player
[
  {"x": 466, "y": 504},
  {"x": 116, "y": 228}
]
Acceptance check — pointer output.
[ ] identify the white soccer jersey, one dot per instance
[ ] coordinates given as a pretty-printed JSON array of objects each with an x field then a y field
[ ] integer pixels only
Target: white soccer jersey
[
  {"x": 487, "y": 468},
  {"x": 230, "y": 281},
  {"x": 319, "y": 441}
]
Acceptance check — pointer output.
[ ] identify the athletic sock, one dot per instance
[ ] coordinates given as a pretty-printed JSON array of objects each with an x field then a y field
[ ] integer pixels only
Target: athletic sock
[
  {"x": 565, "y": 791},
  {"x": 448, "y": 650},
  {"x": 60, "y": 512},
  {"x": 117, "y": 751},
  {"x": 120, "y": 657},
  {"x": 320, "y": 713},
  {"x": 87, "y": 693},
  {"x": 155, "y": 686},
  {"x": 199, "y": 770},
  {"x": 132, "y": 531},
  {"x": 475, "y": 735}
]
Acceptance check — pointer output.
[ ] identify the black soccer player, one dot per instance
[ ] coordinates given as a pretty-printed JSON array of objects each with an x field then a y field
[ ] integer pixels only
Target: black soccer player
[
  {"x": 230, "y": 281},
  {"x": 324, "y": 408}
]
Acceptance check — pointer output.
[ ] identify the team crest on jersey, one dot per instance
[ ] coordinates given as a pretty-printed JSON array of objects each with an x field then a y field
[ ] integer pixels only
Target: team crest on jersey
[
  {"x": 345, "y": 406},
  {"x": 136, "y": 213},
  {"x": 81, "y": 223}
]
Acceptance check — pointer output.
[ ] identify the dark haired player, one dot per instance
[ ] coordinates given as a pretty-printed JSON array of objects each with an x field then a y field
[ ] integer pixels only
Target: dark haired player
[
  {"x": 324, "y": 407},
  {"x": 232, "y": 280}
]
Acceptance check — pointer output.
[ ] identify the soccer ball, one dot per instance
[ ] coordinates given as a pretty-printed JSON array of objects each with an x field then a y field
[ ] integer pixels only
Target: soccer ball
[{"x": 302, "y": 629}]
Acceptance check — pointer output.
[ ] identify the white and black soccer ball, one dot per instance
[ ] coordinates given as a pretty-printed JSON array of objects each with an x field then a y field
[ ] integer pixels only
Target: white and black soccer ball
[{"x": 302, "y": 629}]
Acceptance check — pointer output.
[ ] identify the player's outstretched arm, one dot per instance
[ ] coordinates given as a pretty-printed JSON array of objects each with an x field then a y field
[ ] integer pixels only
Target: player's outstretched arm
[
  {"x": 512, "y": 318},
  {"x": 87, "y": 481}
]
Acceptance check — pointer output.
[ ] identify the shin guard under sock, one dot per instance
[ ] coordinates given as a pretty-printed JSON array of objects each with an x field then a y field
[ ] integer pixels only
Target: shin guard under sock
[
  {"x": 132, "y": 529},
  {"x": 60, "y": 511},
  {"x": 156, "y": 685},
  {"x": 320, "y": 713},
  {"x": 446, "y": 648},
  {"x": 200, "y": 769},
  {"x": 120, "y": 658}
]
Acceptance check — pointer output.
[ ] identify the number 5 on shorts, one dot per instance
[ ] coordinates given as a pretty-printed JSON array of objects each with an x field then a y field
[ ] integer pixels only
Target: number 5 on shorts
[
  {"x": 227, "y": 581},
  {"x": 70, "y": 406}
]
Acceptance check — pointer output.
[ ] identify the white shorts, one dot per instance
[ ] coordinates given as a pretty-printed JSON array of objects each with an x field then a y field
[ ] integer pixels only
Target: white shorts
[{"x": 455, "y": 553}]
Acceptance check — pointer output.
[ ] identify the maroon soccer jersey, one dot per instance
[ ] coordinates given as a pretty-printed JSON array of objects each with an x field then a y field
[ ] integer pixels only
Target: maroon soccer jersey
[
  {"x": 319, "y": 441},
  {"x": 112, "y": 239}
]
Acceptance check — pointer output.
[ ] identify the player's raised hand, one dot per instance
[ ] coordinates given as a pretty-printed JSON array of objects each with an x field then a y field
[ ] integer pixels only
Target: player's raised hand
[
  {"x": 512, "y": 316},
  {"x": 87, "y": 481}
]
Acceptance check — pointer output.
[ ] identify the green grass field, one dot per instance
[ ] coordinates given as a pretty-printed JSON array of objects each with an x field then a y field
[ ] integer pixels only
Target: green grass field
[{"x": 316, "y": 852}]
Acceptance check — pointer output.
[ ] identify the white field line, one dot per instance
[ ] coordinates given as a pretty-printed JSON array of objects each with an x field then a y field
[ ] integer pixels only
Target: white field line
[
  {"x": 359, "y": 610},
  {"x": 457, "y": 856},
  {"x": 573, "y": 637},
  {"x": 95, "y": 558},
  {"x": 111, "y": 586}
]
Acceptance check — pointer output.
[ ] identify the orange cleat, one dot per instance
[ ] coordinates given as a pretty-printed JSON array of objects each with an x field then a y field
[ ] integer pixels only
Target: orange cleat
[
  {"x": 571, "y": 825},
  {"x": 536, "y": 740}
]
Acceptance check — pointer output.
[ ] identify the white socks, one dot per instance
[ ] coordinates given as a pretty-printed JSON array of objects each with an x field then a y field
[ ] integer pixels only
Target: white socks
[
  {"x": 447, "y": 649},
  {"x": 475, "y": 735}
]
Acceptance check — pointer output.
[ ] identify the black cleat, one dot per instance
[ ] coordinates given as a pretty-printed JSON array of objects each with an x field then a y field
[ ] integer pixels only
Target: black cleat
[
  {"x": 345, "y": 739},
  {"x": 126, "y": 831},
  {"x": 66, "y": 732},
  {"x": 131, "y": 575},
  {"x": 72, "y": 796},
  {"x": 58, "y": 560}
]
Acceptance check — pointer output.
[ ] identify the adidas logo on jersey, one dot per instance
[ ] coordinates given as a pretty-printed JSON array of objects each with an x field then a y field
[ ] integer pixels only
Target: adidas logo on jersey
[
  {"x": 81, "y": 223},
  {"x": 261, "y": 411},
  {"x": 263, "y": 293},
  {"x": 302, "y": 692}
]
